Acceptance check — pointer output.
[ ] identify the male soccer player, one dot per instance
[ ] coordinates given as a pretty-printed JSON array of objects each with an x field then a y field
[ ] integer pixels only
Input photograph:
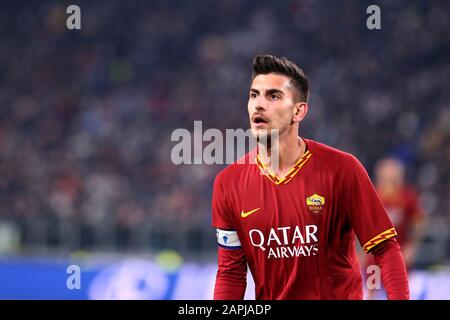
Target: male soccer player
[
  {"x": 294, "y": 223},
  {"x": 402, "y": 204}
]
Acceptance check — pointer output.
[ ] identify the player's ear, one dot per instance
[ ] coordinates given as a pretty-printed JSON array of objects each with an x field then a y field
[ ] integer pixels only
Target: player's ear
[{"x": 300, "y": 111}]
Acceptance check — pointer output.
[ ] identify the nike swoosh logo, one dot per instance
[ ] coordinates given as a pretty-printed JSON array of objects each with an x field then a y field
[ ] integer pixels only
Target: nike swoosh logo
[{"x": 246, "y": 214}]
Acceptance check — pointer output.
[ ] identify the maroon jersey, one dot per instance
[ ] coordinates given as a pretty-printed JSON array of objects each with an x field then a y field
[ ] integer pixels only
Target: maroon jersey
[
  {"x": 403, "y": 207},
  {"x": 297, "y": 232}
]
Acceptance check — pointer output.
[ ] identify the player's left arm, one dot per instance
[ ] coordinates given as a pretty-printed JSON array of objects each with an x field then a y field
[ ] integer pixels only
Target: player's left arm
[
  {"x": 373, "y": 227},
  {"x": 389, "y": 259}
]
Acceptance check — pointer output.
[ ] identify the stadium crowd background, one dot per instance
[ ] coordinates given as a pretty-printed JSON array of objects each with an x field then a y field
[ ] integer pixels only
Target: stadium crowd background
[{"x": 86, "y": 116}]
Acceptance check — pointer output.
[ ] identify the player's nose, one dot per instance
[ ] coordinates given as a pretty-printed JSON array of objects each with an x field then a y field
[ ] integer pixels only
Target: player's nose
[
  {"x": 260, "y": 103},
  {"x": 259, "y": 107}
]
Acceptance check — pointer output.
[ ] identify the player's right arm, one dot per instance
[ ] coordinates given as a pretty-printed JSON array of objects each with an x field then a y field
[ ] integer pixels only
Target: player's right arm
[{"x": 231, "y": 278}]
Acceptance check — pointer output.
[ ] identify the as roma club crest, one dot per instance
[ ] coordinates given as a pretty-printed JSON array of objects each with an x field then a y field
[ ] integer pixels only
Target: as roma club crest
[{"x": 315, "y": 203}]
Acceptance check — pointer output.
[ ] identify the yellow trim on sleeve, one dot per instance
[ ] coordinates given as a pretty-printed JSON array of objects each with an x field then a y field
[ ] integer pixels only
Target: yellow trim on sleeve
[{"x": 379, "y": 238}]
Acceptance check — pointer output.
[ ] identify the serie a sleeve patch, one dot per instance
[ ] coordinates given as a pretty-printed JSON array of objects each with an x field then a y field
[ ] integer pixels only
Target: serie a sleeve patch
[{"x": 228, "y": 239}]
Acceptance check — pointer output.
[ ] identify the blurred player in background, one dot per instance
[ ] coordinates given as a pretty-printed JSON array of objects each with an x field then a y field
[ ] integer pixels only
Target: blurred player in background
[
  {"x": 294, "y": 223},
  {"x": 402, "y": 204}
]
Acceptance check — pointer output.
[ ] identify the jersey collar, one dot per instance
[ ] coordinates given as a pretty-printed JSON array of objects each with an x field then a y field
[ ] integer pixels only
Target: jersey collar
[{"x": 290, "y": 175}]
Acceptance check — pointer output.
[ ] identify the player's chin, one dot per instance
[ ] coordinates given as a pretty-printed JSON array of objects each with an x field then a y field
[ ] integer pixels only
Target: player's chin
[
  {"x": 255, "y": 133},
  {"x": 259, "y": 133}
]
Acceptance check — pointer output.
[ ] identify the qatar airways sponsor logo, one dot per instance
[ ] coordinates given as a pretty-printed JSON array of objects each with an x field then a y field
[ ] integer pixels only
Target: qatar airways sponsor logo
[{"x": 287, "y": 242}]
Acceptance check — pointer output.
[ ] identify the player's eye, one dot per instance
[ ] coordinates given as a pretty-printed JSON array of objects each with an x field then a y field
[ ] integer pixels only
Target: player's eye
[
  {"x": 253, "y": 95},
  {"x": 274, "y": 97}
]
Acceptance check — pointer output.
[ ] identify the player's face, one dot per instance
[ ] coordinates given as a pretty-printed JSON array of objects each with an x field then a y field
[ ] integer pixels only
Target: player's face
[
  {"x": 389, "y": 174},
  {"x": 271, "y": 104}
]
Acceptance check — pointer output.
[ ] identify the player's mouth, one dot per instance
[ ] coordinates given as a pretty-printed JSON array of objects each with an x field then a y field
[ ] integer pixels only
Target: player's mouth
[{"x": 259, "y": 121}]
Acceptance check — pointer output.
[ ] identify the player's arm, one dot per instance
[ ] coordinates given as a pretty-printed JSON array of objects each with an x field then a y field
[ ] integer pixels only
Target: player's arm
[
  {"x": 389, "y": 258},
  {"x": 373, "y": 227},
  {"x": 231, "y": 278}
]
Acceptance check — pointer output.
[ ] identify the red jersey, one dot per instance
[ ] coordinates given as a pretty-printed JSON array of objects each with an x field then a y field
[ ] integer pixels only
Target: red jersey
[
  {"x": 403, "y": 208},
  {"x": 297, "y": 233}
]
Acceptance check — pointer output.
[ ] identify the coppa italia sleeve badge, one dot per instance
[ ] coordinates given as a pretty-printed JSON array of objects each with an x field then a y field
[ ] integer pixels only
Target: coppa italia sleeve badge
[{"x": 315, "y": 203}]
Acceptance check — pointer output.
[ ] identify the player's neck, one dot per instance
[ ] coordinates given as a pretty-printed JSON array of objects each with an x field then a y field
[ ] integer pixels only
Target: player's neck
[{"x": 290, "y": 149}]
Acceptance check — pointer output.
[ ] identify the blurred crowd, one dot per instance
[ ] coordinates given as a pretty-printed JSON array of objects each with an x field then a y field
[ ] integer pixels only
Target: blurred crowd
[{"x": 86, "y": 115}]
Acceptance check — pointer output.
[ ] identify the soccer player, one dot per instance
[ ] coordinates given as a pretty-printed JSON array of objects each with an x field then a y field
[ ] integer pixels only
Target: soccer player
[
  {"x": 294, "y": 223},
  {"x": 402, "y": 204}
]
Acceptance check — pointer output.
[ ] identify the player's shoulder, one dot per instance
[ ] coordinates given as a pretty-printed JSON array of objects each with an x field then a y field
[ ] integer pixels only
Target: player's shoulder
[
  {"x": 237, "y": 168},
  {"x": 331, "y": 155}
]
